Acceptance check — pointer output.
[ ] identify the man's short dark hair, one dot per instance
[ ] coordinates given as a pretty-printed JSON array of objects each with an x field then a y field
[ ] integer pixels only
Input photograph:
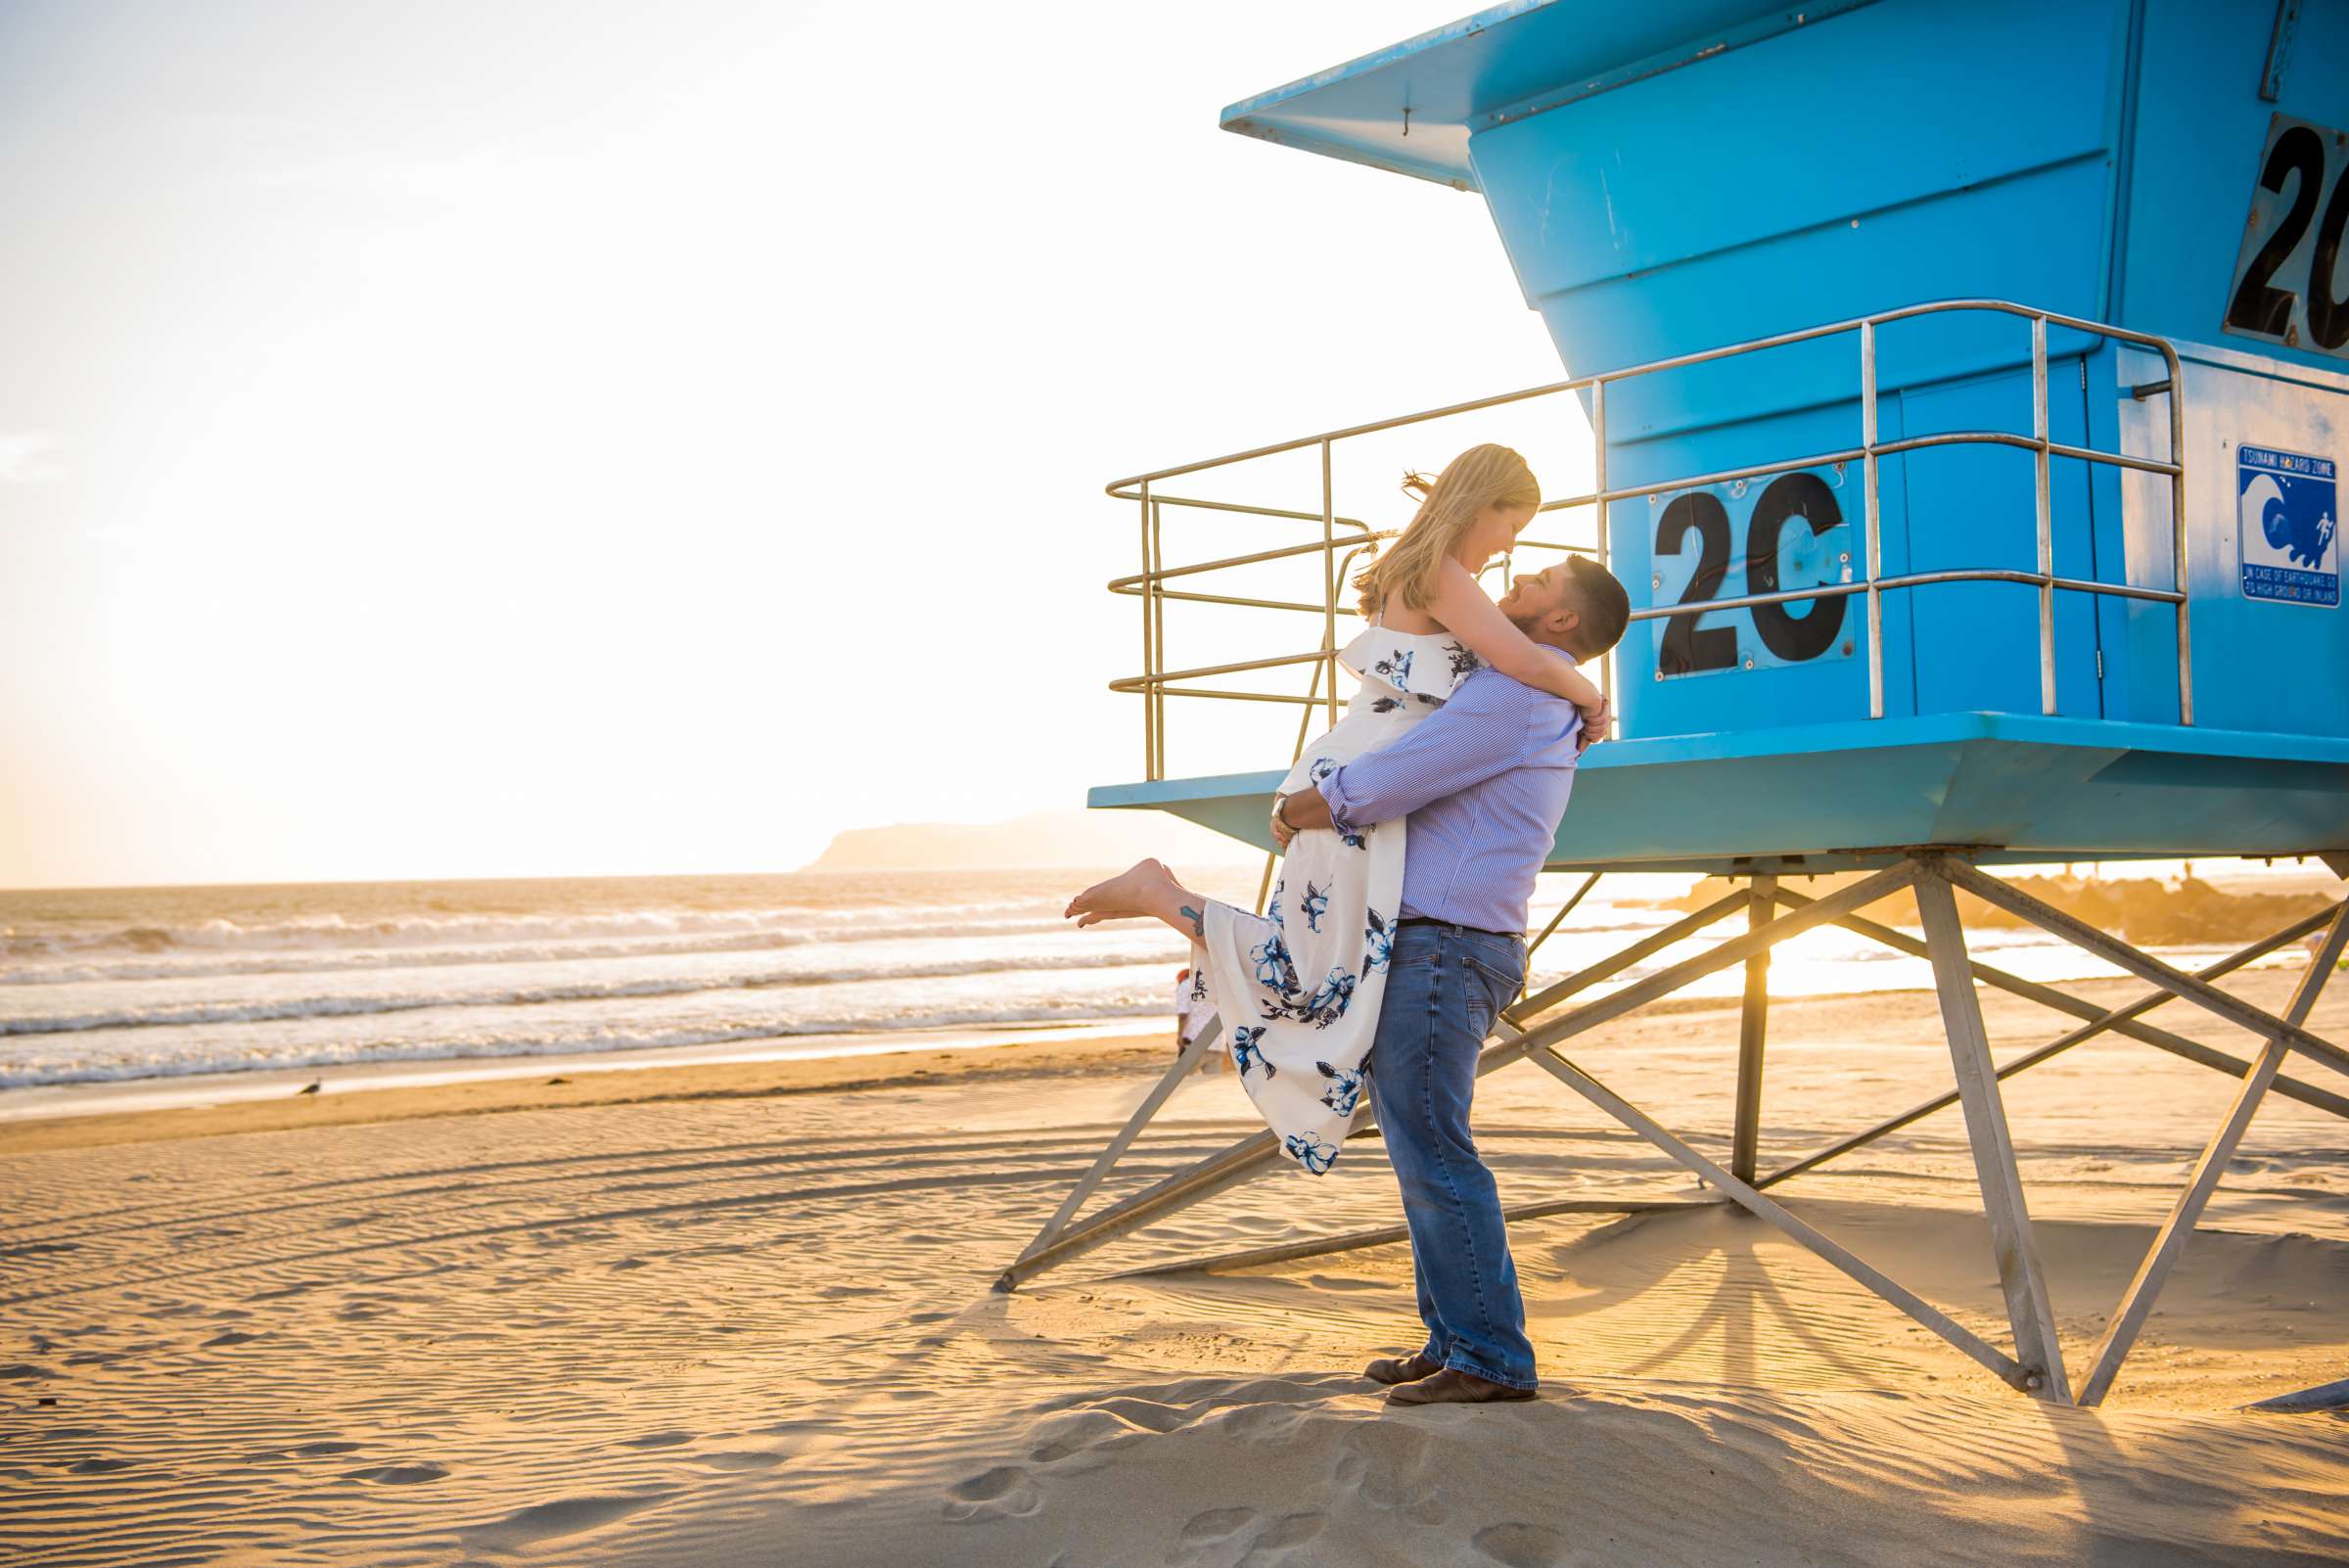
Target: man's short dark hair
[{"x": 1600, "y": 600}]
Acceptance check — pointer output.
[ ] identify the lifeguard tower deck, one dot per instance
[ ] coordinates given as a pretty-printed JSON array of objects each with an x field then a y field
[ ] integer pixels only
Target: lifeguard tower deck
[{"x": 1963, "y": 390}]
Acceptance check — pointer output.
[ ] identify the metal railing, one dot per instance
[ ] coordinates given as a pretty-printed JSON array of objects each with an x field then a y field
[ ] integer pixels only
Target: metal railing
[{"x": 1344, "y": 539}]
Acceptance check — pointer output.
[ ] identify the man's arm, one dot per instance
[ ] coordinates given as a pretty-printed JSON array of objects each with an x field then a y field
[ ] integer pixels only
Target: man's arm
[{"x": 1481, "y": 732}]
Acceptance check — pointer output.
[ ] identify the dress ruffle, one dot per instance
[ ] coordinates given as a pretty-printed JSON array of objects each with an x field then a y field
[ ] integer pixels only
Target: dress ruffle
[{"x": 1427, "y": 665}]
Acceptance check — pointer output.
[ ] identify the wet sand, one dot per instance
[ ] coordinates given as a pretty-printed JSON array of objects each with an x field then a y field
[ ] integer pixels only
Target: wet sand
[{"x": 741, "y": 1313}]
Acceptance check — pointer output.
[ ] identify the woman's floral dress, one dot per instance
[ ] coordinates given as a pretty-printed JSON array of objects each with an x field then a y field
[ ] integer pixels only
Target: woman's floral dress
[{"x": 1299, "y": 987}]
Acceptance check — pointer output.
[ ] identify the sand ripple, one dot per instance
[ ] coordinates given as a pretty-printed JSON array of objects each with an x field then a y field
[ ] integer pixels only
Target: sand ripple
[{"x": 760, "y": 1331}]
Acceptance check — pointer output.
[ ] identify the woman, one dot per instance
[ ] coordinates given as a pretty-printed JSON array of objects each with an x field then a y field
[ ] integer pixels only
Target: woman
[{"x": 1299, "y": 987}]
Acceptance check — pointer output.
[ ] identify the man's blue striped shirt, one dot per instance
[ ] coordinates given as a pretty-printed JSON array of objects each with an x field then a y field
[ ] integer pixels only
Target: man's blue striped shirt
[{"x": 1484, "y": 780}]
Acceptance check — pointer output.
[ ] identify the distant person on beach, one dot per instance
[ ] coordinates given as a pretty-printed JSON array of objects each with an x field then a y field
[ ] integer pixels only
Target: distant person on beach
[
  {"x": 1191, "y": 1015},
  {"x": 1445, "y": 743}
]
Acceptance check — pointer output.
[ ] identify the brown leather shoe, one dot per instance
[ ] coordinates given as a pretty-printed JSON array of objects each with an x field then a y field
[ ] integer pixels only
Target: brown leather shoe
[
  {"x": 1402, "y": 1368},
  {"x": 1451, "y": 1386}
]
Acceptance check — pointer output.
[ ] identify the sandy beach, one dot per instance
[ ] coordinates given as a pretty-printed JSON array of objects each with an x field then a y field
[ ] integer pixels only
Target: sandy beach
[{"x": 742, "y": 1314}]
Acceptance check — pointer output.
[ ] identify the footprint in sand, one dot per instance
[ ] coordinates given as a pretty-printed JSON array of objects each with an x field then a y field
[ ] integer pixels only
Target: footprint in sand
[
  {"x": 1003, "y": 1493},
  {"x": 311, "y": 1450},
  {"x": 1276, "y": 1538},
  {"x": 232, "y": 1336},
  {"x": 1255, "y": 1424},
  {"x": 1388, "y": 1468},
  {"x": 565, "y": 1516},
  {"x": 740, "y": 1460},
  {"x": 1091, "y": 1433},
  {"x": 400, "y": 1475},
  {"x": 1521, "y": 1545},
  {"x": 657, "y": 1439},
  {"x": 98, "y": 1466},
  {"x": 1216, "y": 1524},
  {"x": 1147, "y": 1414}
]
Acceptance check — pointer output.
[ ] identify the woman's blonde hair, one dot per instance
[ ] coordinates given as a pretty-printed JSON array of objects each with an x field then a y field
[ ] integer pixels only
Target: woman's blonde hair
[{"x": 1480, "y": 477}]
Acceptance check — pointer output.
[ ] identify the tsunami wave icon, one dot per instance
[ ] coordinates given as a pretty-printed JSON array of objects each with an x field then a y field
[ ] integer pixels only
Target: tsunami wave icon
[{"x": 2287, "y": 511}]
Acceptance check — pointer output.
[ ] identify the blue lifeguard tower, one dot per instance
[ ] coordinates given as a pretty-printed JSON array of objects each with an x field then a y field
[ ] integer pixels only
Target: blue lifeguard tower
[{"x": 1967, "y": 386}]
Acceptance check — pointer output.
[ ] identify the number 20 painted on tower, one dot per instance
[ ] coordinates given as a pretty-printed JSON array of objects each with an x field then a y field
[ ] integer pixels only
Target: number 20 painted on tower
[
  {"x": 1686, "y": 648},
  {"x": 2283, "y": 277}
]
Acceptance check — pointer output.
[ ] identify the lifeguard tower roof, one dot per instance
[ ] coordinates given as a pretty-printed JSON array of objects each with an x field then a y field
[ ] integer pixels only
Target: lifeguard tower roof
[
  {"x": 1966, "y": 388},
  {"x": 1504, "y": 62}
]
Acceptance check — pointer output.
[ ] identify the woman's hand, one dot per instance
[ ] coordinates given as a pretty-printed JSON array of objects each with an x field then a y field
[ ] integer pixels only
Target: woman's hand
[
  {"x": 1598, "y": 724},
  {"x": 1281, "y": 831}
]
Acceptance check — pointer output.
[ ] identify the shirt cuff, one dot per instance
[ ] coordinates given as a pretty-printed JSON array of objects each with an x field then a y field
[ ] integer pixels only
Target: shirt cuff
[{"x": 1333, "y": 794}]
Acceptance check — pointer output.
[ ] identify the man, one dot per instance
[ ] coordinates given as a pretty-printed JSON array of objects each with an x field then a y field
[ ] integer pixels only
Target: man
[{"x": 1484, "y": 783}]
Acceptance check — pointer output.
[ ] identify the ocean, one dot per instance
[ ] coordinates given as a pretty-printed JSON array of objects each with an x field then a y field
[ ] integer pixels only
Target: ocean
[{"x": 107, "y": 985}]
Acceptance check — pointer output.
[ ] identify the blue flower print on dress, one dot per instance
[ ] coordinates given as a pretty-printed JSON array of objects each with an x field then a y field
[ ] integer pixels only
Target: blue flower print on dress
[
  {"x": 1245, "y": 1052},
  {"x": 1344, "y": 1090},
  {"x": 1463, "y": 662},
  {"x": 1311, "y": 1152},
  {"x": 1274, "y": 967},
  {"x": 1330, "y": 1000},
  {"x": 1301, "y": 983}
]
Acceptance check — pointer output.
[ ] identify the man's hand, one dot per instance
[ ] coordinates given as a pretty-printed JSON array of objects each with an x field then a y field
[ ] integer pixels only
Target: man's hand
[{"x": 1281, "y": 831}]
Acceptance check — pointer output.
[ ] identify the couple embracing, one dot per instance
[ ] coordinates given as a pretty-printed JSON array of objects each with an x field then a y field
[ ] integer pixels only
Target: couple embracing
[{"x": 1413, "y": 831}]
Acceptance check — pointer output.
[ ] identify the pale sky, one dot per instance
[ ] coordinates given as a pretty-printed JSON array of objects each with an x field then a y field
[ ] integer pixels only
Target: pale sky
[{"x": 520, "y": 438}]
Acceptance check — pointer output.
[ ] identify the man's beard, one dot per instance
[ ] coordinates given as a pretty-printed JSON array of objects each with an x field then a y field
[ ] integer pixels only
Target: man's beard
[{"x": 1526, "y": 625}]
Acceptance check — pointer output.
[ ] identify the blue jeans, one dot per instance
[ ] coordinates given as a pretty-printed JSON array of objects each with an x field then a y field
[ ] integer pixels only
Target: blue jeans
[{"x": 1445, "y": 986}]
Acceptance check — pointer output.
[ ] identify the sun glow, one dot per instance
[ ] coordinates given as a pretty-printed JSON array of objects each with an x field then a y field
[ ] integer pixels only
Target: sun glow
[{"x": 459, "y": 441}]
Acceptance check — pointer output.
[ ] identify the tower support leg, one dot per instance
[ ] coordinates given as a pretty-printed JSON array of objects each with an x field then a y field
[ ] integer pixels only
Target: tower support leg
[
  {"x": 1745, "y": 1141},
  {"x": 2020, "y": 1276}
]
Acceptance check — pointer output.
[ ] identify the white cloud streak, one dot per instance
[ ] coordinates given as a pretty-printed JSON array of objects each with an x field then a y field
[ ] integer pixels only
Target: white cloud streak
[{"x": 25, "y": 457}]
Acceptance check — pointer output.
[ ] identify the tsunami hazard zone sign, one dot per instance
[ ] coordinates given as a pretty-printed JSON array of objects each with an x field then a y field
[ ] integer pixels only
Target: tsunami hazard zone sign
[{"x": 2287, "y": 513}]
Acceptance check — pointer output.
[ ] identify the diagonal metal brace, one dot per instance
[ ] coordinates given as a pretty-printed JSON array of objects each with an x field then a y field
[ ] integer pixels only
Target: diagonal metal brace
[
  {"x": 2054, "y": 1047},
  {"x": 1185, "y": 1060},
  {"x": 2136, "y": 1302},
  {"x": 1219, "y": 1172},
  {"x": 2120, "y": 1020},
  {"x": 1776, "y": 1214},
  {"x": 2143, "y": 966},
  {"x": 1224, "y": 1168}
]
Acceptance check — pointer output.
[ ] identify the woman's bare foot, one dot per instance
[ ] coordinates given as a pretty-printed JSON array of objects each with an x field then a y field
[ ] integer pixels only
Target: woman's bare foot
[{"x": 1144, "y": 891}]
